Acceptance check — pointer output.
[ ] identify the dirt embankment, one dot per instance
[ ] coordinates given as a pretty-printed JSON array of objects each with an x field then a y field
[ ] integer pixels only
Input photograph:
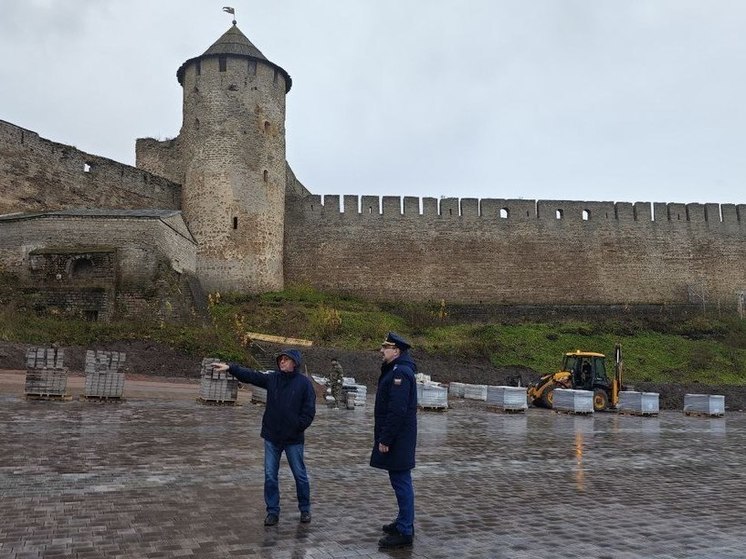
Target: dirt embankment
[{"x": 151, "y": 359}]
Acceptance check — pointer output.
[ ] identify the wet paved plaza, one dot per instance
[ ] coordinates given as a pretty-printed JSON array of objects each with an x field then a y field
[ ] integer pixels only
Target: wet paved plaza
[{"x": 174, "y": 478}]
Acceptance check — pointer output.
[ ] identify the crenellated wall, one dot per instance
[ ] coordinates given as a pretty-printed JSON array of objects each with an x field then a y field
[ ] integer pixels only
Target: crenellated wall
[
  {"x": 515, "y": 251},
  {"x": 40, "y": 175}
]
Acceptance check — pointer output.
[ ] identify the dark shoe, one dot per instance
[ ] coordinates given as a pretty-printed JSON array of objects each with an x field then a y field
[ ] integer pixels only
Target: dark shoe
[
  {"x": 305, "y": 517},
  {"x": 390, "y": 528},
  {"x": 271, "y": 519},
  {"x": 395, "y": 540}
]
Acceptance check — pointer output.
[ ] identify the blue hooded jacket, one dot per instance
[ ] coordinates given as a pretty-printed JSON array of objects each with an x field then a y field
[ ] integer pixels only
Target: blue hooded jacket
[
  {"x": 395, "y": 415},
  {"x": 291, "y": 400}
]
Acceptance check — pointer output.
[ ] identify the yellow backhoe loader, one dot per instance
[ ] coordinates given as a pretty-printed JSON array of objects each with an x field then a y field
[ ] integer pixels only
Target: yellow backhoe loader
[{"x": 581, "y": 370}]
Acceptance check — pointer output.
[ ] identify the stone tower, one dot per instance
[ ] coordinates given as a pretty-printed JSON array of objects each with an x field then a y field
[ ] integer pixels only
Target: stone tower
[{"x": 230, "y": 159}]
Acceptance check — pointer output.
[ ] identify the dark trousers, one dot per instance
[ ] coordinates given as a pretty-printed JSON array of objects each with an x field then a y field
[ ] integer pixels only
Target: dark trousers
[{"x": 401, "y": 481}]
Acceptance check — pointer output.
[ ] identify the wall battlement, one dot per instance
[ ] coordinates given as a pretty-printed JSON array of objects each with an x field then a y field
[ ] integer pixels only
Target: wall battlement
[{"x": 502, "y": 209}]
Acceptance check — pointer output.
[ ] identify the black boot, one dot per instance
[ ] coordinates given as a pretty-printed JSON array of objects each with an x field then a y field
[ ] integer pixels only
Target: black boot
[
  {"x": 389, "y": 528},
  {"x": 392, "y": 529},
  {"x": 395, "y": 540}
]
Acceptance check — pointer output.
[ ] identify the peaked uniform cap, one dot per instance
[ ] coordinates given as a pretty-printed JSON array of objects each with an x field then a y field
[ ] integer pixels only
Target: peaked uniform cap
[
  {"x": 234, "y": 43},
  {"x": 395, "y": 340}
]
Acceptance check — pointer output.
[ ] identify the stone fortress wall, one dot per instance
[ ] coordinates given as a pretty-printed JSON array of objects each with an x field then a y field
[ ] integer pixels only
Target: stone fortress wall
[
  {"x": 545, "y": 252},
  {"x": 40, "y": 175},
  {"x": 250, "y": 226}
]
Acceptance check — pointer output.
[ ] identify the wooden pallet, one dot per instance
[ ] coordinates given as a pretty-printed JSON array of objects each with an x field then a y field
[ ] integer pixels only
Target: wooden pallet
[
  {"x": 50, "y": 397},
  {"x": 571, "y": 412},
  {"x": 433, "y": 408},
  {"x": 637, "y": 414},
  {"x": 92, "y": 398},
  {"x": 498, "y": 409},
  {"x": 703, "y": 414},
  {"x": 218, "y": 402}
]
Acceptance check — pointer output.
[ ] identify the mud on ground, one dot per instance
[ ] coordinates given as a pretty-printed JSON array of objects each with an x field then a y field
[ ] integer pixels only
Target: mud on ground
[{"x": 153, "y": 359}]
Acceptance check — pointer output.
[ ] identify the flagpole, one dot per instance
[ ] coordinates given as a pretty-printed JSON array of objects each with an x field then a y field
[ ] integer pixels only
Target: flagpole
[{"x": 231, "y": 11}]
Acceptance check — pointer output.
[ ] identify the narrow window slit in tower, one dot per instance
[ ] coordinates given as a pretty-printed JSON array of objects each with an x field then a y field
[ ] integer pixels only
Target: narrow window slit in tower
[
  {"x": 266, "y": 126},
  {"x": 266, "y": 175},
  {"x": 222, "y": 63},
  {"x": 558, "y": 214},
  {"x": 86, "y": 167},
  {"x": 235, "y": 223}
]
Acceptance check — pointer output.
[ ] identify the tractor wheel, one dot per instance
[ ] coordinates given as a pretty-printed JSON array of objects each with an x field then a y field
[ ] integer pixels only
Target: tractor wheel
[
  {"x": 600, "y": 400},
  {"x": 548, "y": 398}
]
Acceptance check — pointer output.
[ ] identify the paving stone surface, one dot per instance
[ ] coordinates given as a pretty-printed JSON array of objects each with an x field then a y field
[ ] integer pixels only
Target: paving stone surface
[{"x": 149, "y": 478}]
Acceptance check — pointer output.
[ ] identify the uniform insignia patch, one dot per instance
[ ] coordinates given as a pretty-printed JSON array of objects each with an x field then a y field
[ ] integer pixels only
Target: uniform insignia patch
[{"x": 397, "y": 381}]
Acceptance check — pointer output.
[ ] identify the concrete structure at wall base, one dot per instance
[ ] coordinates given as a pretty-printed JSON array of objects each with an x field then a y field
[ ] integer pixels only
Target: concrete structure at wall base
[{"x": 99, "y": 264}]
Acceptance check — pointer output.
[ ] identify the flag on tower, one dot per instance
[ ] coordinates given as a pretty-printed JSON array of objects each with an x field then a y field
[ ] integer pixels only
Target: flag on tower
[{"x": 229, "y": 10}]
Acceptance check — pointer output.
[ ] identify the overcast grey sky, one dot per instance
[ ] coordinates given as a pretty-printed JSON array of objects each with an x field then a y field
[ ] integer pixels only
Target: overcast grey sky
[{"x": 621, "y": 100}]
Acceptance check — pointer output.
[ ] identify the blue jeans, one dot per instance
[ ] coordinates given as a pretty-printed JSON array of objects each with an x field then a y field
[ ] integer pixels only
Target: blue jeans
[
  {"x": 401, "y": 481},
  {"x": 294, "y": 454}
]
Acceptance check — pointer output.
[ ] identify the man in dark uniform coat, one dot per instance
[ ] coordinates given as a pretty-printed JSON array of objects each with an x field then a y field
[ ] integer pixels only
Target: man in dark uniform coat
[{"x": 395, "y": 434}]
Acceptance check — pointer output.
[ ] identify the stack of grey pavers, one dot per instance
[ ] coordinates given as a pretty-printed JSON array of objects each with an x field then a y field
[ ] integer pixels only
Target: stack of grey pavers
[
  {"x": 639, "y": 403},
  {"x": 507, "y": 398},
  {"x": 573, "y": 401},
  {"x": 475, "y": 392},
  {"x": 102, "y": 377},
  {"x": 259, "y": 394},
  {"x": 217, "y": 386},
  {"x": 456, "y": 389},
  {"x": 350, "y": 385},
  {"x": 431, "y": 396},
  {"x": 704, "y": 404},
  {"x": 45, "y": 375}
]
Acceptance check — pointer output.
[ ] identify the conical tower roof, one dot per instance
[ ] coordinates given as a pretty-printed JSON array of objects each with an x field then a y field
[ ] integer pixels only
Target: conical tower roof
[{"x": 233, "y": 43}]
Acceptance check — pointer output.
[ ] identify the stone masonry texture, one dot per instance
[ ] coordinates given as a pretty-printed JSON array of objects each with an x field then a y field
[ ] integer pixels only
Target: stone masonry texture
[{"x": 256, "y": 228}]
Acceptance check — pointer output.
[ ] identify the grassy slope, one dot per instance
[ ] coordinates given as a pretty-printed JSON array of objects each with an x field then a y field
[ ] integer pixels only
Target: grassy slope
[{"x": 710, "y": 350}]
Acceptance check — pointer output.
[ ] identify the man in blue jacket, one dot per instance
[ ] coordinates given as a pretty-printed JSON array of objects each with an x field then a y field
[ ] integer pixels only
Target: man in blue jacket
[
  {"x": 395, "y": 435},
  {"x": 290, "y": 409}
]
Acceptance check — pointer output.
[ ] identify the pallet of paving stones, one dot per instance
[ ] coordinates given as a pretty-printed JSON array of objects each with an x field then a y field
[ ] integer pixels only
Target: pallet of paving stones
[
  {"x": 103, "y": 381},
  {"x": 46, "y": 377},
  {"x": 258, "y": 395},
  {"x": 509, "y": 399},
  {"x": 575, "y": 402},
  {"x": 704, "y": 405},
  {"x": 645, "y": 404},
  {"x": 216, "y": 387},
  {"x": 432, "y": 397}
]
